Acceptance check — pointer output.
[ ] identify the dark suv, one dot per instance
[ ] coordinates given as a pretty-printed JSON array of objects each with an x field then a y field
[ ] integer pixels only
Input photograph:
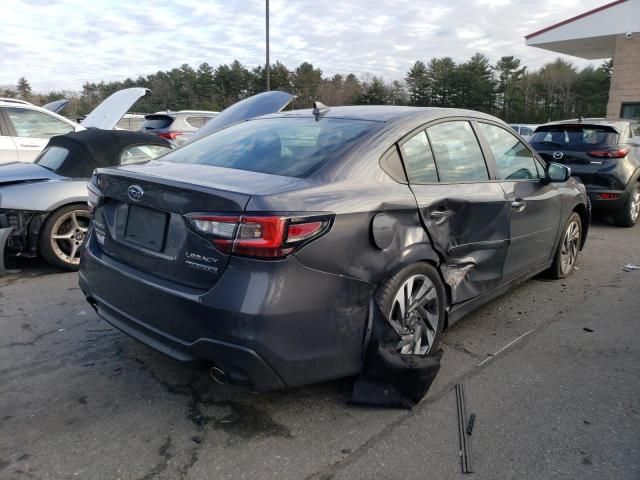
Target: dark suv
[{"x": 604, "y": 154}]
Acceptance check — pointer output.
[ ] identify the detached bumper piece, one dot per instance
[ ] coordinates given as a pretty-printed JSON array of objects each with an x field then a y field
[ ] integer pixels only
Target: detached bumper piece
[{"x": 389, "y": 378}]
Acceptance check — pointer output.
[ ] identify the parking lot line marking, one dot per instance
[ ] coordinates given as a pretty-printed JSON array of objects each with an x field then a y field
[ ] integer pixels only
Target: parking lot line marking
[{"x": 504, "y": 348}]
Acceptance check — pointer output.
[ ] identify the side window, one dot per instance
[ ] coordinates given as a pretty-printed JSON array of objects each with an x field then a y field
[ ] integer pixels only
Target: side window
[
  {"x": 30, "y": 123},
  {"x": 526, "y": 131},
  {"x": 195, "y": 122},
  {"x": 142, "y": 153},
  {"x": 418, "y": 159},
  {"x": 513, "y": 159},
  {"x": 457, "y": 152}
]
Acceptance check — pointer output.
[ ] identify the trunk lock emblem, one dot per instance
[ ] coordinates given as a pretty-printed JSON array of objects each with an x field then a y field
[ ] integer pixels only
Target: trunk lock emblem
[
  {"x": 558, "y": 155},
  {"x": 135, "y": 192}
]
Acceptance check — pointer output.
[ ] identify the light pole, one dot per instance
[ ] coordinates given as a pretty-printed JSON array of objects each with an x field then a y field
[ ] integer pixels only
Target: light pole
[{"x": 268, "y": 64}]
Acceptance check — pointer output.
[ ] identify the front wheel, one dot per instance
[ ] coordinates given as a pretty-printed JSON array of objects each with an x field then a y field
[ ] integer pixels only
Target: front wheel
[
  {"x": 413, "y": 301},
  {"x": 628, "y": 215},
  {"x": 566, "y": 255},
  {"x": 62, "y": 236}
]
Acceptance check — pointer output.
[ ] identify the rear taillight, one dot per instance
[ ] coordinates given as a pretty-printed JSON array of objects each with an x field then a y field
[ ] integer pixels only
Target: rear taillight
[
  {"x": 609, "y": 196},
  {"x": 613, "y": 153},
  {"x": 170, "y": 135},
  {"x": 260, "y": 236},
  {"x": 93, "y": 197}
]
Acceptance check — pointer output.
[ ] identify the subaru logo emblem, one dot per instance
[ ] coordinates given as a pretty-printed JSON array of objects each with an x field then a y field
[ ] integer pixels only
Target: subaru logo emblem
[
  {"x": 558, "y": 155},
  {"x": 135, "y": 192}
]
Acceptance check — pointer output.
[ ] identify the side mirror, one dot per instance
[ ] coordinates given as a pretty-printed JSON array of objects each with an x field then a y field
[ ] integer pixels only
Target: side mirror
[{"x": 558, "y": 173}]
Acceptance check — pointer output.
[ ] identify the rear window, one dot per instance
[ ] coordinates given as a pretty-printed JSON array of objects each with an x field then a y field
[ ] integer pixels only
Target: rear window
[
  {"x": 156, "y": 122},
  {"x": 574, "y": 136},
  {"x": 293, "y": 147},
  {"x": 52, "y": 157}
]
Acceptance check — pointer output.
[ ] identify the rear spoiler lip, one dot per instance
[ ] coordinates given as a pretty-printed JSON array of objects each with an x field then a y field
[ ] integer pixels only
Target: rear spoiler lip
[{"x": 542, "y": 128}]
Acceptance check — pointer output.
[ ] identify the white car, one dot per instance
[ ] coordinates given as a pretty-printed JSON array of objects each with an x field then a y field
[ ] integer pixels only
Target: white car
[
  {"x": 25, "y": 128},
  {"x": 524, "y": 129}
]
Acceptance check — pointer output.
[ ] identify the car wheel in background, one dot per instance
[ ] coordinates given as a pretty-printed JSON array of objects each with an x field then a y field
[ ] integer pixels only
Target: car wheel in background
[
  {"x": 566, "y": 255},
  {"x": 628, "y": 216},
  {"x": 63, "y": 234},
  {"x": 413, "y": 301}
]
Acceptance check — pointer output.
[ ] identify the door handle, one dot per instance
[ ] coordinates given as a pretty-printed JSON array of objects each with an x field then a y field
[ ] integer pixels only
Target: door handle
[
  {"x": 518, "y": 205},
  {"x": 29, "y": 145},
  {"x": 440, "y": 215}
]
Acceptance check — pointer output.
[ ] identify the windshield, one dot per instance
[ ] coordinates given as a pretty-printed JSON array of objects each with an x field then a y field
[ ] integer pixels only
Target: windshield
[
  {"x": 288, "y": 146},
  {"x": 575, "y": 136}
]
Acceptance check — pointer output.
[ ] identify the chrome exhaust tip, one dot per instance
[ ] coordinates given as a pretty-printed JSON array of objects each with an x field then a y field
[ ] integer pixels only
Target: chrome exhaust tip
[{"x": 218, "y": 376}]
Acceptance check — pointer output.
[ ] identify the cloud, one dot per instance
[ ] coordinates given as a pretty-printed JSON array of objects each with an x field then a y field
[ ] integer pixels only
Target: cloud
[{"x": 63, "y": 43}]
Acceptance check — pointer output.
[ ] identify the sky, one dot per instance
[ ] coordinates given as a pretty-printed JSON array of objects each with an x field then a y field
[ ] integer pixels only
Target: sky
[{"x": 60, "y": 44}]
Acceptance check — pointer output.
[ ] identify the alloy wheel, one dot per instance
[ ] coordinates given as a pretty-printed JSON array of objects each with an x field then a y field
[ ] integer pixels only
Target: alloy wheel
[
  {"x": 67, "y": 235},
  {"x": 570, "y": 247},
  {"x": 414, "y": 315},
  {"x": 634, "y": 207}
]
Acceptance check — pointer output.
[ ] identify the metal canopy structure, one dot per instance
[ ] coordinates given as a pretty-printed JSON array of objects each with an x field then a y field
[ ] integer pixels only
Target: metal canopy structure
[{"x": 591, "y": 35}]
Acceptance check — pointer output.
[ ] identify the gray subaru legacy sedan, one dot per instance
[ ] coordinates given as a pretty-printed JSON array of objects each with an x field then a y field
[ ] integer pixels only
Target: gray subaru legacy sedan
[{"x": 264, "y": 247}]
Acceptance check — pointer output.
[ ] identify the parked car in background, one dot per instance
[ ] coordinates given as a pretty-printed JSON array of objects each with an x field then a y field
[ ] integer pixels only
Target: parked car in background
[
  {"x": 176, "y": 126},
  {"x": 25, "y": 128},
  {"x": 604, "y": 154},
  {"x": 262, "y": 247},
  {"x": 525, "y": 130},
  {"x": 131, "y": 121},
  {"x": 45, "y": 202}
]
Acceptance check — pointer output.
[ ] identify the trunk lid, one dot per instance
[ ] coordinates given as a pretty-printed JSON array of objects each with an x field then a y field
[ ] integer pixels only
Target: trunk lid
[
  {"x": 141, "y": 222},
  {"x": 108, "y": 113},
  {"x": 255, "y": 106}
]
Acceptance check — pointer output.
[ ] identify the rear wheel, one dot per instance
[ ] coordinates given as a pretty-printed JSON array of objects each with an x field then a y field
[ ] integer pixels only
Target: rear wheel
[
  {"x": 62, "y": 236},
  {"x": 413, "y": 301},
  {"x": 566, "y": 256},
  {"x": 628, "y": 215}
]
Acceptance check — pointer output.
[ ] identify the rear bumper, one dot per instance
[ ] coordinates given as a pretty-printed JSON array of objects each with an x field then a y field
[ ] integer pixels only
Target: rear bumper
[
  {"x": 606, "y": 204},
  {"x": 268, "y": 324}
]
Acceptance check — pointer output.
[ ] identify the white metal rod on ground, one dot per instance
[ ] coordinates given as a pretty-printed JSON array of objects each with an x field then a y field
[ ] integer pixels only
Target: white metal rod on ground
[{"x": 504, "y": 348}]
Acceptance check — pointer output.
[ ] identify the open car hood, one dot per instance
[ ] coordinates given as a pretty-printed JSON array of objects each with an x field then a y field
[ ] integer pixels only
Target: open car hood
[
  {"x": 106, "y": 115},
  {"x": 57, "y": 105},
  {"x": 260, "y": 104},
  {"x": 19, "y": 172}
]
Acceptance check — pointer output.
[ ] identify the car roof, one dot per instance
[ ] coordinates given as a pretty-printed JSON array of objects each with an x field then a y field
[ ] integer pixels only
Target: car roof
[
  {"x": 14, "y": 101},
  {"x": 383, "y": 113},
  {"x": 31, "y": 106}
]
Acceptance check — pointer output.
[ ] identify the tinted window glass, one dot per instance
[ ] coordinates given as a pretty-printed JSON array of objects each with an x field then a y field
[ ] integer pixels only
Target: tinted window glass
[
  {"x": 142, "y": 153},
  {"x": 157, "y": 122},
  {"x": 52, "y": 157},
  {"x": 457, "y": 152},
  {"x": 30, "y": 123},
  {"x": 293, "y": 147},
  {"x": 574, "y": 136},
  {"x": 513, "y": 159},
  {"x": 418, "y": 159}
]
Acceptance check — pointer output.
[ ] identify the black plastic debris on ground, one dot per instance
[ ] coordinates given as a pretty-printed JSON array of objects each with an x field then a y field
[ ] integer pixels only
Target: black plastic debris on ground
[{"x": 389, "y": 378}]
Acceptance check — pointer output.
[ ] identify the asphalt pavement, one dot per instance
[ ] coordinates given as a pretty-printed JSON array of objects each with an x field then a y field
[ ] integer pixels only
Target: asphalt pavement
[{"x": 80, "y": 400}]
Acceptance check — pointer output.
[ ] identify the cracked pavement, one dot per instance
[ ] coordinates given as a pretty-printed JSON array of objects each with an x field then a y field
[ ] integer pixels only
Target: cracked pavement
[{"x": 79, "y": 399}]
